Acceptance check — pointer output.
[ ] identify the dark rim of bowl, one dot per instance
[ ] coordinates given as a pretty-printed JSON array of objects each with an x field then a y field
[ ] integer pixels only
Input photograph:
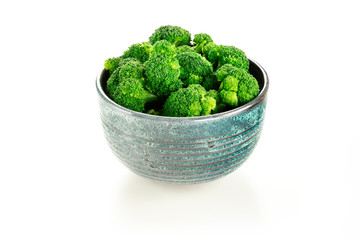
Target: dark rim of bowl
[{"x": 264, "y": 85}]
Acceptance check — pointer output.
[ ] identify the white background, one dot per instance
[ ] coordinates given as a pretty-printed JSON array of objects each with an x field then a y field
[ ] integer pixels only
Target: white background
[{"x": 59, "y": 179}]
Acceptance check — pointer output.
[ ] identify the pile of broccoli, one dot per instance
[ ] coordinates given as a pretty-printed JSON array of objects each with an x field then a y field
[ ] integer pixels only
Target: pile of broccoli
[{"x": 170, "y": 75}]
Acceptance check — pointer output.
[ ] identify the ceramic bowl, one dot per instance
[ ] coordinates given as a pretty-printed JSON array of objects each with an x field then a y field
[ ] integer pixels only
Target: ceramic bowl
[{"x": 183, "y": 150}]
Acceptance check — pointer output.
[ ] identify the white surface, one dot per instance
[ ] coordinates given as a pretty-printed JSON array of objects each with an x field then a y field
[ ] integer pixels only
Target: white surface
[{"x": 59, "y": 179}]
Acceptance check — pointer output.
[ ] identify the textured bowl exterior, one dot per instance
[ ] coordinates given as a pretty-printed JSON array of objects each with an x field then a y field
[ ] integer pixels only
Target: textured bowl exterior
[{"x": 183, "y": 150}]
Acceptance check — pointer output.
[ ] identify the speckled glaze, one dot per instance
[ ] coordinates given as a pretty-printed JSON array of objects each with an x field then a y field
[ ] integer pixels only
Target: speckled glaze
[{"x": 183, "y": 150}]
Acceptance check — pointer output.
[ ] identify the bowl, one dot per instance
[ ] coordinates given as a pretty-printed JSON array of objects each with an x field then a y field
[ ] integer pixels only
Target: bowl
[{"x": 183, "y": 150}]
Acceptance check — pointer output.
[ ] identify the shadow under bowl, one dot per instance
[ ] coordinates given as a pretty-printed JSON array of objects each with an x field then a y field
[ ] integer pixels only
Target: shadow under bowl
[{"x": 183, "y": 150}]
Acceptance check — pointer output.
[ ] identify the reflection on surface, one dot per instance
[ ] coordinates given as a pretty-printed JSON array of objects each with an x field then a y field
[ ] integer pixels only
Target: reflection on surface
[{"x": 148, "y": 204}]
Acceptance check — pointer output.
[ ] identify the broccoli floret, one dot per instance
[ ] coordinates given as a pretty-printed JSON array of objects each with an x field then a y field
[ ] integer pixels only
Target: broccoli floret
[
  {"x": 128, "y": 68},
  {"x": 164, "y": 47},
  {"x": 228, "y": 91},
  {"x": 200, "y": 40},
  {"x": 207, "y": 48},
  {"x": 208, "y": 104},
  {"x": 210, "y": 82},
  {"x": 140, "y": 51},
  {"x": 235, "y": 92},
  {"x": 174, "y": 34},
  {"x": 185, "y": 48},
  {"x": 198, "y": 88},
  {"x": 220, "y": 106},
  {"x": 233, "y": 56},
  {"x": 213, "y": 52},
  {"x": 131, "y": 94},
  {"x": 248, "y": 89},
  {"x": 112, "y": 64},
  {"x": 229, "y": 70},
  {"x": 162, "y": 75},
  {"x": 189, "y": 102},
  {"x": 193, "y": 67}
]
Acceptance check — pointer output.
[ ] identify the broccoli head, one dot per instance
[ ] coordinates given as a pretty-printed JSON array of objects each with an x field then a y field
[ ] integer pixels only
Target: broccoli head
[
  {"x": 189, "y": 102},
  {"x": 207, "y": 48},
  {"x": 131, "y": 94},
  {"x": 248, "y": 89},
  {"x": 238, "y": 91},
  {"x": 112, "y": 64},
  {"x": 229, "y": 70},
  {"x": 185, "y": 48},
  {"x": 174, "y": 34},
  {"x": 164, "y": 47},
  {"x": 140, "y": 51},
  {"x": 233, "y": 56},
  {"x": 220, "y": 106},
  {"x": 210, "y": 82},
  {"x": 213, "y": 52},
  {"x": 200, "y": 40},
  {"x": 162, "y": 75},
  {"x": 228, "y": 91},
  {"x": 193, "y": 67},
  {"x": 128, "y": 68}
]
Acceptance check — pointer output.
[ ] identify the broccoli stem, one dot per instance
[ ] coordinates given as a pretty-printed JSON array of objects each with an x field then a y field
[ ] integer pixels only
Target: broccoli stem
[{"x": 149, "y": 97}]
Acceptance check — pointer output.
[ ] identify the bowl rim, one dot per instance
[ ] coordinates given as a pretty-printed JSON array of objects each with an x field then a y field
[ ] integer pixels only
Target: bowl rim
[{"x": 258, "y": 99}]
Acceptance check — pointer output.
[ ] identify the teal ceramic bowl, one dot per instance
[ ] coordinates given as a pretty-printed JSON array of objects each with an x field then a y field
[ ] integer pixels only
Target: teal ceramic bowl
[{"x": 183, "y": 150}]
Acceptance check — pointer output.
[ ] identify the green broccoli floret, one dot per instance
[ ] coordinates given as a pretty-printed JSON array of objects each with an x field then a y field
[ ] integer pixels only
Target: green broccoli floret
[
  {"x": 131, "y": 94},
  {"x": 164, "y": 47},
  {"x": 140, "y": 51},
  {"x": 185, "y": 48},
  {"x": 128, "y": 68},
  {"x": 193, "y": 67},
  {"x": 212, "y": 53},
  {"x": 207, "y": 48},
  {"x": 233, "y": 56},
  {"x": 248, "y": 89},
  {"x": 112, "y": 64},
  {"x": 162, "y": 75},
  {"x": 174, "y": 34},
  {"x": 228, "y": 91},
  {"x": 189, "y": 102},
  {"x": 198, "y": 88},
  {"x": 238, "y": 91},
  {"x": 220, "y": 106},
  {"x": 229, "y": 70},
  {"x": 210, "y": 82},
  {"x": 200, "y": 40}
]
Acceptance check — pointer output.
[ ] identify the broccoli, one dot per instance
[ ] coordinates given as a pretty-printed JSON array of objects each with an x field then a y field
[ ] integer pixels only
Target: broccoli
[
  {"x": 233, "y": 56},
  {"x": 128, "y": 68},
  {"x": 140, "y": 51},
  {"x": 169, "y": 76},
  {"x": 207, "y": 48},
  {"x": 185, "y": 48},
  {"x": 248, "y": 89},
  {"x": 193, "y": 68},
  {"x": 112, "y": 64},
  {"x": 174, "y": 34},
  {"x": 220, "y": 106},
  {"x": 228, "y": 91},
  {"x": 162, "y": 75},
  {"x": 164, "y": 47},
  {"x": 131, "y": 94},
  {"x": 238, "y": 91},
  {"x": 212, "y": 53},
  {"x": 228, "y": 70},
  {"x": 210, "y": 82},
  {"x": 189, "y": 102},
  {"x": 200, "y": 40}
]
